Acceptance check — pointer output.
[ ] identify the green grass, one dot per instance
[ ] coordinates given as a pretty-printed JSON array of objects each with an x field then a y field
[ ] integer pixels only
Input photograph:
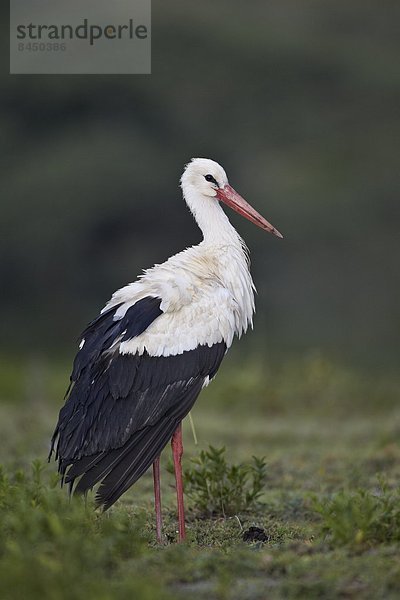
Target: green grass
[
  {"x": 328, "y": 498},
  {"x": 362, "y": 518}
]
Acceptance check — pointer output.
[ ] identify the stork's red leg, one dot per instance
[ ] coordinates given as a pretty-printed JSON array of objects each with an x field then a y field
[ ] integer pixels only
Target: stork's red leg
[
  {"x": 157, "y": 498},
  {"x": 177, "y": 451}
]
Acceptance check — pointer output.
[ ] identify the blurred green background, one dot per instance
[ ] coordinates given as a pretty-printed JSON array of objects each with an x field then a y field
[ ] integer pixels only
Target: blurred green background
[{"x": 298, "y": 100}]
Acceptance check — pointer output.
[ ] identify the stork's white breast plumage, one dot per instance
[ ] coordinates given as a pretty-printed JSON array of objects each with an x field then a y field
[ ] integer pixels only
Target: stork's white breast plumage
[
  {"x": 143, "y": 361},
  {"x": 206, "y": 297}
]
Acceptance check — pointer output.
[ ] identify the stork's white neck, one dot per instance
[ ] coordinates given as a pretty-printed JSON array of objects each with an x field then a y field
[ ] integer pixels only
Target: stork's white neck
[
  {"x": 223, "y": 241},
  {"x": 209, "y": 216}
]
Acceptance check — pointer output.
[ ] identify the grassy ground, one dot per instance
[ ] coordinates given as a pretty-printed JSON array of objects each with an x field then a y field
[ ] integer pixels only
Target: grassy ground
[{"x": 329, "y": 513}]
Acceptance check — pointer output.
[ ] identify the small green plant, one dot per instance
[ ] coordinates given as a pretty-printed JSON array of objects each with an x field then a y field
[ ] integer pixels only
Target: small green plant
[
  {"x": 362, "y": 518},
  {"x": 217, "y": 488}
]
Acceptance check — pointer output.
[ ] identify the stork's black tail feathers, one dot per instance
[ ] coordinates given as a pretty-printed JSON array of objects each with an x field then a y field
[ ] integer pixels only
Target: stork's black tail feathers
[{"x": 119, "y": 468}]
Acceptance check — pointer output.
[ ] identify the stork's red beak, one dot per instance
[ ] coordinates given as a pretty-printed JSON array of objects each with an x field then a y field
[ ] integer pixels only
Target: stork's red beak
[{"x": 234, "y": 200}]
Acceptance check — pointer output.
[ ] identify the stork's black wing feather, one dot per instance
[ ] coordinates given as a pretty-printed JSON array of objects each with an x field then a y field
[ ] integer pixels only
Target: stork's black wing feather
[
  {"x": 120, "y": 468},
  {"x": 106, "y": 328},
  {"x": 122, "y": 409}
]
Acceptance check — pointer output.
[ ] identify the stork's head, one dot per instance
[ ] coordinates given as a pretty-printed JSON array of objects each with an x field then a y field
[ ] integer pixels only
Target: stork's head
[
  {"x": 208, "y": 179},
  {"x": 206, "y": 175}
]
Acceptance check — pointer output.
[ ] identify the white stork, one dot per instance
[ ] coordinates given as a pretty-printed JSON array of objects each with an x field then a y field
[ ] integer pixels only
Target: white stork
[{"x": 143, "y": 361}]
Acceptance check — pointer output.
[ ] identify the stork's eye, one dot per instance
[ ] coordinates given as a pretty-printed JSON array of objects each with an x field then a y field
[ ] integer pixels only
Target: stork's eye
[{"x": 211, "y": 179}]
